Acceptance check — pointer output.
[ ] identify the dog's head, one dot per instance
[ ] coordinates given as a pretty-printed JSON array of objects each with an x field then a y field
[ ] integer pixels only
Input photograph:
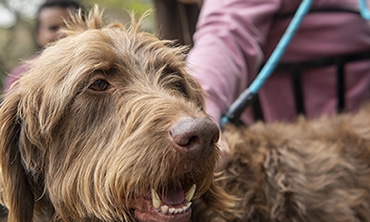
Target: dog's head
[{"x": 107, "y": 125}]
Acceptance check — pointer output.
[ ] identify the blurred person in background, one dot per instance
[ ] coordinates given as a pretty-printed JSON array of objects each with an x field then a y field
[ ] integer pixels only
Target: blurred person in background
[
  {"x": 325, "y": 69},
  {"x": 49, "y": 19}
]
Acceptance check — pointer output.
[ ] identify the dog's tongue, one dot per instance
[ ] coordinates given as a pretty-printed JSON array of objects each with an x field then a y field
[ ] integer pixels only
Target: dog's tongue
[{"x": 174, "y": 195}]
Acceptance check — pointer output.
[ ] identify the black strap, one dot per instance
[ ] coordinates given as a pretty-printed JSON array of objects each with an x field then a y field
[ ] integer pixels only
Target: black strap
[
  {"x": 295, "y": 69},
  {"x": 340, "y": 86},
  {"x": 320, "y": 10},
  {"x": 257, "y": 109},
  {"x": 322, "y": 62},
  {"x": 296, "y": 77}
]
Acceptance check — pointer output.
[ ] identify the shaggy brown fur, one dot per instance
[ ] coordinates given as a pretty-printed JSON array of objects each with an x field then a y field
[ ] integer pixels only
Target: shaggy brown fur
[
  {"x": 107, "y": 120},
  {"x": 308, "y": 171},
  {"x": 105, "y": 116}
]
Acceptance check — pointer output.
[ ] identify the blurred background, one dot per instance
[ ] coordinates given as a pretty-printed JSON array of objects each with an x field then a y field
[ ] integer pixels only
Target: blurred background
[{"x": 17, "y": 25}]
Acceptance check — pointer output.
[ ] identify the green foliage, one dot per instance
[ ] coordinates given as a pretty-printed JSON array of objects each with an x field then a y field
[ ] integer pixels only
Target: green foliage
[{"x": 138, "y": 6}]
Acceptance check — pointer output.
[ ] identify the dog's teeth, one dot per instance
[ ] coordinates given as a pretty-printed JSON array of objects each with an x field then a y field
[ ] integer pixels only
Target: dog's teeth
[
  {"x": 184, "y": 208},
  {"x": 155, "y": 199},
  {"x": 164, "y": 209},
  {"x": 189, "y": 204},
  {"x": 189, "y": 195},
  {"x": 171, "y": 210}
]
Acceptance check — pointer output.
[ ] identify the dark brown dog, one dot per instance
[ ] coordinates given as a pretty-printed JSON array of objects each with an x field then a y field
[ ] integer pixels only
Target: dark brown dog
[
  {"x": 108, "y": 126},
  {"x": 307, "y": 171}
]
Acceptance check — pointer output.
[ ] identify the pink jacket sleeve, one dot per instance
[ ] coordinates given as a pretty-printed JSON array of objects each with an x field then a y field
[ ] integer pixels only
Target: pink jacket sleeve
[
  {"x": 234, "y": 38},
  {"x": 228, "y": 39}
]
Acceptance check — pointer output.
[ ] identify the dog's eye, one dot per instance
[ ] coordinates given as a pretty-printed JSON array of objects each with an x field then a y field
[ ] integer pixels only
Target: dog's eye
[{"x": 99, "y": 85}]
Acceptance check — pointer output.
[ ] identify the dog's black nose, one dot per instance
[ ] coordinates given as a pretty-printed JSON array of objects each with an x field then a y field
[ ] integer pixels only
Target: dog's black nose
[{"x": 194, "y": 137}]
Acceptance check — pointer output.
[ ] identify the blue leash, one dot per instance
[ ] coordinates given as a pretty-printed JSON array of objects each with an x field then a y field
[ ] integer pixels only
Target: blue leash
[
  {"x": 247, "y": 96},
  {"x": 364, "y": 10}
]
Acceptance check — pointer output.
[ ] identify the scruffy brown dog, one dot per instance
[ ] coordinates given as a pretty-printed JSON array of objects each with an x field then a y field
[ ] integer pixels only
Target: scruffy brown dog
[
  {"x": 308, "y": 171},
  {"x": 108, "y": 126}
]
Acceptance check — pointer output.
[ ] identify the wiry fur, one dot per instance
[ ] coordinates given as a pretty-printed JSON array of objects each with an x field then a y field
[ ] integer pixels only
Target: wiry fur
[
  {"x": 307, "y": 171},
  {"x": 73, "y": 150},
  {"x": 70, "y": 153}
]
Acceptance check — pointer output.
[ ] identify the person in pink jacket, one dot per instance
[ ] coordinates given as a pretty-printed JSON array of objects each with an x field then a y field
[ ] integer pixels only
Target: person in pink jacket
[
  {"x": 325, "y": 69},
  {"x": 49, "y": 19}
]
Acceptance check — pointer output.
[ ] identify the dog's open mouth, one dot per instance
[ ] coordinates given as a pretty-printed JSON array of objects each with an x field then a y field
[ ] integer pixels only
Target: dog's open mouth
[{"x": 169, "y": 206}]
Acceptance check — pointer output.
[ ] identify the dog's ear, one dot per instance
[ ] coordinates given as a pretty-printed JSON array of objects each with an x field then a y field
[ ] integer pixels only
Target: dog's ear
[{"x": 18, "y": 196}]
